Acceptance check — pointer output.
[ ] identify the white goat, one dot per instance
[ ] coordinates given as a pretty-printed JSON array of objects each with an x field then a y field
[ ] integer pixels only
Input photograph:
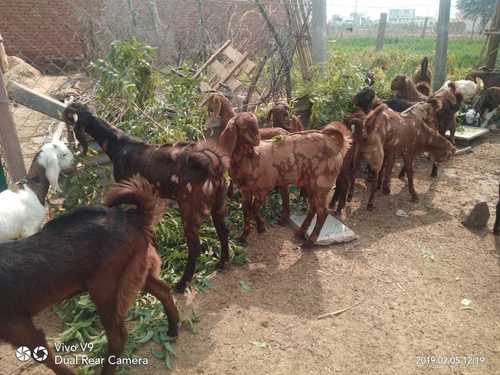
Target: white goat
[
  {"x": 22, "y": 211},
  {"x": 469, "y": 89}
]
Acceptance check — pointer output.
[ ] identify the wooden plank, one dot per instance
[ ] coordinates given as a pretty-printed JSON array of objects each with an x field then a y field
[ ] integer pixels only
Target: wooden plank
[
  {"x": 233, "y": 69},
  {"x": 232, "y": 54},
  {"x": 381, "y": 31},
  {"x": 4, "y": 62},
  {"x": 212, "y": 58},
  {"x": 8, "y": 138},
  {"x": 36, "y": 101},
  {"x": 218, "y": 69}
]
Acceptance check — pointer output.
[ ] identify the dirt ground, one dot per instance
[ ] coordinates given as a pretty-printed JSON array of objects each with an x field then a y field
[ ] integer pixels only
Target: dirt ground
[{"x": 405, "y": 276}]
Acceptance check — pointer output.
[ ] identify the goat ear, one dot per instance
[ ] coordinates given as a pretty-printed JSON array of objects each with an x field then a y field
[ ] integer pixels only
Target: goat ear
[
  {"x": 218, "y": 103},
  {"x": 82, "y": 138},
  {"x": 480, "y": 84},
  {"x": 436, "y": 104},
  {"x": 229, "y": 137},
  {"x": 52, "y": 169},
  {"x": 269, "y": 115}
]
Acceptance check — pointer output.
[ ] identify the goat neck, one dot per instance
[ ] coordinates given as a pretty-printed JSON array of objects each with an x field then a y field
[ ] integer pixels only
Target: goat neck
[{"x": 37, "y": 181}]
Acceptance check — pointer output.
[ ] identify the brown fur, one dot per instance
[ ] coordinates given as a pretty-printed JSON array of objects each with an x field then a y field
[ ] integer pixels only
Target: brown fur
[
  {"x": 190, "y": 173},
  {"x": 424, "y": 88},
  {"x": 219, "y": 109},
  {"x": 278, "y": 117},
  {"x": 391, "y": 134},
  {"x": 423, "y": 73},
  {"x": 310, "y": 159},
  {"x": 107, "y": 252},
  {"x": 345, "y": 181},
  {"x": 403, "y": 88}
]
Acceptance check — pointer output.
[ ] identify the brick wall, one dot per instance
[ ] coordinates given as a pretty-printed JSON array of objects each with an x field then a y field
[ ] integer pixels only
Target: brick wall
[
  {"x": 44, "y": 32},
  {"x": 50, "y": 33}
]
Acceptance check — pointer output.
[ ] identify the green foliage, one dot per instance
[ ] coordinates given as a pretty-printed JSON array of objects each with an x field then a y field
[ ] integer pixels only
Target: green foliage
[
  {"x": 157, "y": 107},
  {"x": 474, "y": 9}
]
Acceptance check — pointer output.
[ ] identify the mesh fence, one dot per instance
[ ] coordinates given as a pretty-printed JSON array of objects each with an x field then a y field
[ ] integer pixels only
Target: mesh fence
[{"x": 50, "y": 44}]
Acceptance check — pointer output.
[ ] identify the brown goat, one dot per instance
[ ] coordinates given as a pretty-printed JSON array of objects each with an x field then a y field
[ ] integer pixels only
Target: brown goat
[
  {"x": 487, "y": 104},
  {"x": 345, "y": 181},
  {"x": 310, "y": 159},
  {"x": 220, "y": 110},
  {"x": 190, "y": 173},
  {"x": 107, "y": 252},
  {"x": 403, "y": 88},
  {"x": 278, "y": 117},
  {"x": 423, "y": 72},
  {"x": 390, "y": 134}
]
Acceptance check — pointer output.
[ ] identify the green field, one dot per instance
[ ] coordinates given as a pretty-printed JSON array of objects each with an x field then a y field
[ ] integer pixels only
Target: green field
[{"x": 401, "y": 55}]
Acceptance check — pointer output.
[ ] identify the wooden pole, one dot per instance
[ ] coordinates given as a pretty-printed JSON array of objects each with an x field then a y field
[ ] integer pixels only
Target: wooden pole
[
  {"x": 8, "y": 138},
  {"x": 318, "y": 32},
  {"x": 424, "y": 29},
  {"x": 441, "y": 57},
  {"x": 4, "y": 62},
  {"x": 381, "y": 31},
  {"x": 493, "y": 41}
]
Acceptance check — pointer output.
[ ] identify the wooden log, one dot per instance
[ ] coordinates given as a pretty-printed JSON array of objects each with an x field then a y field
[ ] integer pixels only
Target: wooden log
[
  {"x": 8, "y": 138},
  {"x": 4, "y": 62},
  {"x": 440, "y": 60},
  {"x": 381, "y": 31},
  {"x": 493, "y": 41},
  {"x": 36, "y": 101}
]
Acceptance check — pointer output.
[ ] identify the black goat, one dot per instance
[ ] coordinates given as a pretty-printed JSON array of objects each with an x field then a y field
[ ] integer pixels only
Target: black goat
[
  {"x": 190, "y": 173},
  {"x": 107, "y": 252}
]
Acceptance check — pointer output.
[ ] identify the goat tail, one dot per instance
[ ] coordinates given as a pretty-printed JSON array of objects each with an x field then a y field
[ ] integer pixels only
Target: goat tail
[
  {"x": 341, "y": 134},
  {"x": 139, "y": 192},
  {"x": 424, "y": 65}
]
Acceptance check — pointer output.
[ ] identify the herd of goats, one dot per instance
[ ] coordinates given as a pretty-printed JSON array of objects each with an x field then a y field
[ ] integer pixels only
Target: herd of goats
[{"x": 109, "y": 251}]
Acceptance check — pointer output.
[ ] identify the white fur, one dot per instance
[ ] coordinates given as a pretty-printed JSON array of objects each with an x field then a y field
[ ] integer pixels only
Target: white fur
[
  {"x": 470, "y": 117},
  {"x": 21, "y": 213},
  {"x": 469, "y": 89},
  {"x": 55, "y": 157}
]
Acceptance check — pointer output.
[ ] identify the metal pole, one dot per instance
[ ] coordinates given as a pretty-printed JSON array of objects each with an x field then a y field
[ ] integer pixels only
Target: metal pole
[
  {"x": 424, "y": 29},
  {"x": 441, "y": 56},
  {"x": 381, "y": 31},
  {"x": 494, "y": 39},
  {"x": 318, "y": 25}
]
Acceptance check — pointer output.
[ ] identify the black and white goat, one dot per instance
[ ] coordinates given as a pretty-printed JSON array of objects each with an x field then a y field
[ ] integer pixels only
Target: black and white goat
[{"x": 22, "y": 210}]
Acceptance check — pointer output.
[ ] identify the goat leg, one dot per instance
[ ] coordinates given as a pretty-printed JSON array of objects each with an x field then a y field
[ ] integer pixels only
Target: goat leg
[
  {"x": 22, "y": 332},
  {"x": 161, "y": 291},
  {"x": 389, "y": 165},
  {"x": 259, "y": 200},
  {"x": 408, "y": 162},
  {"x": 117, "y": 336},
  {"x": 191, "y": 232},
  {"x": 301, "y": 232},
  {"x": 320, "y": 220},
  {"x": 285, "y": 200},
  {"x": 222, "y": 233},
  {"x": 373, "y": 189},
  {"x": 246, "y": 202}
]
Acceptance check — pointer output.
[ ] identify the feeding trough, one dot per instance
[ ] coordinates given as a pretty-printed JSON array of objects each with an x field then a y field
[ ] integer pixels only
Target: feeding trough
[
  {"x": 468, "y": 133},
  {"x": 333, "y": 231}
]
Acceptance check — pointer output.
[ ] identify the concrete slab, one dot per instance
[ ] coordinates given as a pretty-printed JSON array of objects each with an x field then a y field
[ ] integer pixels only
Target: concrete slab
[
  {"x": 468, "y": 133},
  {"x": 333, "y": 231}
]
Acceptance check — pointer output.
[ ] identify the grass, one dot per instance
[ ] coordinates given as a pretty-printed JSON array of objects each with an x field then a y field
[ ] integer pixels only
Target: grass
[{"x": 402, "y": 55}]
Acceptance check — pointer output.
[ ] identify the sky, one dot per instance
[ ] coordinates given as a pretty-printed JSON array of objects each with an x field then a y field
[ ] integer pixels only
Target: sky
[{"x": 425, "y": 8}]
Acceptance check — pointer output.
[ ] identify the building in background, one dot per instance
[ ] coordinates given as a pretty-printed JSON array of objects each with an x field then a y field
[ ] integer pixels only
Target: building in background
[{"x": 401, "y": 15}]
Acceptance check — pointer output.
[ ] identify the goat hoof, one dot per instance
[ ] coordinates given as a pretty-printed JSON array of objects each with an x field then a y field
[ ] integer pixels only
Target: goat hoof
[
  {"x": 300, "y": 235},
  {"x": 308, "y": 244},
  {"x": 180, "y": 287},
  {"x": 283, "y": 220},
  {"x": 414, "y": 198},
  {"x": 242, "y": 240},
  {"x": 261, "y": 229},
  {"x": 386, "y": 191},
  {"x": 370, "y": 207},
  {"x": 173, "y": 332}
]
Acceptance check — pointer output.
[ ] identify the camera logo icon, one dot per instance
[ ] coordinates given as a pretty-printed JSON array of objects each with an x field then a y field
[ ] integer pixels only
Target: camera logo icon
[
  {"x": 40, "y": 353},
  {"x": 23, "y": 353}
]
